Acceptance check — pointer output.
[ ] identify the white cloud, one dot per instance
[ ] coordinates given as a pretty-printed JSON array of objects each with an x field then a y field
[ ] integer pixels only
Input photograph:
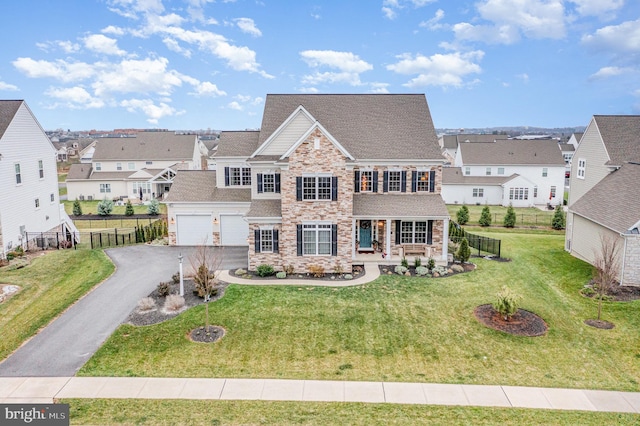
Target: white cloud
[
  {"x": 65, "y": 45},
  {"x": 248, "y": 26},
  {"x": 209, "y": 89},
  {"x": 8, "y": 87},
  {"x": 434, "y": 23},
  {"x": 102, "y": 44},
  {"x": 75, "y": 97},
  {"x": 379, "y": 88},
  {"x": 59, "y": 70},
  {"x": 524, "y": 77},
  {"x": 390, "y": 7},
  {"x": 137, "y": 76},
  {"x": 235, "y": 105},
  {"x": 150, "y": 109},
  {"x": 439, "y": 69},
  {"x": 598, "y": 8},
  {"x": 113, "y": 30},
  {"x": 348, "y": 66},
  {"x": 618, "y": 40},
  {"x": 132, "y": 8},
  {"x": 175, "y": 47},
  {"x": 607, "y": 72},
  {"x": 509, "y": 19}
]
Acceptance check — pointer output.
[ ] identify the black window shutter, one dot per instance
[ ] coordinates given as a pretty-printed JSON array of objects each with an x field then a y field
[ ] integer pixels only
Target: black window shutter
[
  {"x": 226, "y": 176},
  {"x": 256, "y": 234},
  {"x": 398, "y": 224},
  {"x": 375, "y": 181},
  {"x": 403, "y": 181},
  {"x": 277, "y": 184},
  {"x": 356, "y": 181},
  {"x": 260, "y": 190},
  {"x": 334, "y": 188},
  {"x": 385, "y": 181},
  {"x": 414, "y": 181},
  {"x": 299, "y": 239},
  {"x": 276, "y": 242},
  {"x": 299, "y": 188},
  {"x": 430, "y": 232},
  {"x": 334, "y": 240},
  {"x": 432, "y": 181}
]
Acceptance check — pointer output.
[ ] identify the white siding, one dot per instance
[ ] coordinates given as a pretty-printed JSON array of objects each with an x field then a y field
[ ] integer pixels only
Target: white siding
[
  {"x": 25, "y": 143},
  {"x": 78, "y": 189},
  {"x": 289, "y": 135},
  {"x": 463, "y": 194},
  {"x": 585, "y": 239}
]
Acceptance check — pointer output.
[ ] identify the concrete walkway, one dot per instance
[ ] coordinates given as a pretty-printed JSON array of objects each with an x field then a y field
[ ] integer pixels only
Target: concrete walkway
[
  {"x": 46, "y": 389},
  {"x": 371, "y": 272}
]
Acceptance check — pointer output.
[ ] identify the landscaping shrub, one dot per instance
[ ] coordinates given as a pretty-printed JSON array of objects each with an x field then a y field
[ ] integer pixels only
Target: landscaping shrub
[
  {"x": 457, "y": 268},
  {"x": 422, "y": 271},
  {"x": 164, "y": 288},
  {"x": 404, "y": 262},
  {"x": 558, "y": 222},
  {"x": 316, "y": 270},
  {"x": 77, "y": 209},
  {"x": 348, "y": 276},
  {"x": 510, "y": 217},
  {"x": 281, "y": 275},
  {"x": 507, "y": 303},
  {"x": 173, "y": 303},
  {"x": 400, "y": 269},
  {"x": 485, "y": 217},
  {"x": 128, "y": 210},
  {"x": 338, "y": 269},
  {"x": 154, "y": 208},
  {"x": 204, "y": 281},
  {"x": 146, "y": 304},
  {"x": 417, "y": 262},
  {"x": 105, "y": 207},
  {"x": 176, "y": 277},
  {"x": 431, "y": 263},
  {"x": 464, "y": 252},
  {"x": 462, "y": 215},
  {"x": 288, "y": 269},
  {"x": 265, "y": 270}
]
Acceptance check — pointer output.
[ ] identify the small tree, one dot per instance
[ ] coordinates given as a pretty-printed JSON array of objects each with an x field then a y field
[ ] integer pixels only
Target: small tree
[
  {"x": 105, "y": 207},
  {"x": 607, "y": 266},
  {"x": 558, "y": 221},
  {"x": 464, "y": 252},
  {"x": 485, "y": 217},
  {"x": 507, "y": 303},
  {"x": 510, "y": 217},
  {"x": 128, "y": 210},
  {"x": 154, "y": 208},
  {"x": 77, "y": 208},
  {"x": 205, "y": 264},
  {"x": 462, "y": 216}
]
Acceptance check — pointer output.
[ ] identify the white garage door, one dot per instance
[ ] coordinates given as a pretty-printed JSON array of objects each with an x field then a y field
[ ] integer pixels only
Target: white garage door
[
  {"x": 194, "y": 230},
  {"x": 234, "y": 230}
]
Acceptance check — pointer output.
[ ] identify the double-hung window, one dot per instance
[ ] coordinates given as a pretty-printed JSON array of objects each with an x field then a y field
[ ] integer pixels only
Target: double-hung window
[
  {"x": 423, "y": 180},
  {"x": 366, "y": 180},
  {"x": 316, "y": 188},
  {"x": 478, "y": 192},
  {"x": 418, "y": 232},
  {"x": 545, "y": 172},
  {"x": 553, "y": 192},
  {"x": 500, "y": 170},
  {"x": 18, "y": 174},
  {"x": 37, "y": 203},
  {"x": 582, "y": 168},
  {"x": 105, "y": 187},
  {"x": 488, "y": 171},
  {"x": 118, "y": 166},
  {"x": 467, "y": 171},
  {"x": 395, "y": 181},
  {"x": 98, "y": 167},
  {"x": 422, "y": 184},
  {"x": 268, "y": 182},
  {"x": 237, "y": 176},
  {"x": 41, "y": 169},
  {"x": 518, "y": 193},
  {"x": 316, "y": 239}
]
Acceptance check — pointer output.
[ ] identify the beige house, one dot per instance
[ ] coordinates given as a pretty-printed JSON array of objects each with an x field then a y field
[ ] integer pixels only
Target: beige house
[
  {"x": 603, "y": 196},
  {"x": 141, "y": 167},
  {"x": 328, "y": 180}
]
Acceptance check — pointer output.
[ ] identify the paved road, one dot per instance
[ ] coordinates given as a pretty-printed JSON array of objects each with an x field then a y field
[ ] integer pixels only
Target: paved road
[{"x": 67, "y": 343}]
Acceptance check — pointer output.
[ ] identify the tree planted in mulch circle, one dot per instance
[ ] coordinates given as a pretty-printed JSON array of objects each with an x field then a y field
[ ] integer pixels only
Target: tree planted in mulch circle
[
  {"x": 607, "y": 266},
  {"x": 504, "y": 315},
  {"x": 205, "y": 264}
]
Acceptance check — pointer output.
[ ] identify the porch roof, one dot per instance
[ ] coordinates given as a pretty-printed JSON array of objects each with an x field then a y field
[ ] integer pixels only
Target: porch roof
[
  {"x": 399, "y": 205},
  {"x": 265, "y": 208}
]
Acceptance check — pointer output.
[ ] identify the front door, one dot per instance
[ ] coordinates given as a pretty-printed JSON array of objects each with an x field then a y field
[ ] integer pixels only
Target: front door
[{"x": 365, "y": 234}]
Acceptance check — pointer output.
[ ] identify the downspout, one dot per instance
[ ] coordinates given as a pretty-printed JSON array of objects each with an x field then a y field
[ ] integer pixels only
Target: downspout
[
  {"x": 445, "y": 240},
  {"x": 622, "y": 264}
]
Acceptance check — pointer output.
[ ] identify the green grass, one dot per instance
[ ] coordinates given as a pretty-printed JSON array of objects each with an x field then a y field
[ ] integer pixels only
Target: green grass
[
  {"x": 50, "y": 284},
  {"x": 171, "y": 412},
  {"x": 400, "y": 329},
  {"x": 525, "y": 216},
  {"x": 91, "y": 207},
  {"x": 62, "y": 177}
]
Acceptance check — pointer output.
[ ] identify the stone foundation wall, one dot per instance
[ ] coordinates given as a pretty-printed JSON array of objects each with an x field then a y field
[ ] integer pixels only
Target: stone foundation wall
[{"x": 631, "y": 261}]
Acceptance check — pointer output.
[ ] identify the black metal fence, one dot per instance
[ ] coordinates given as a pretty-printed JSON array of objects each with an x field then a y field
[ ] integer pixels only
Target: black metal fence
[
  {"x": 34, "y": 241},
  {"x": 478, "y": 242},
  {"x": 138, "y": 235}
]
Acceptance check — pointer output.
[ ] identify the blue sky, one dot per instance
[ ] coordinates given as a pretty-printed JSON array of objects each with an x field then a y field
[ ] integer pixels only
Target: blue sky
[{"x": 198, "y": 64}]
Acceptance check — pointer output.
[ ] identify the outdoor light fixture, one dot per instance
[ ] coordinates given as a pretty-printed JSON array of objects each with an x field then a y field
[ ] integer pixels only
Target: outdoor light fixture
[
  {"x": 173, "y": 220},
  {"x": 215, "y": 220}
]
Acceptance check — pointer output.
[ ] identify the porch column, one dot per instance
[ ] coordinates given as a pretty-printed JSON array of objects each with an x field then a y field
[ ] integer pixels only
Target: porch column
[
  {"x": 387, "y": 238},
  {"x": 353, "y": 239},
  {"x": 445, "y": 240}
]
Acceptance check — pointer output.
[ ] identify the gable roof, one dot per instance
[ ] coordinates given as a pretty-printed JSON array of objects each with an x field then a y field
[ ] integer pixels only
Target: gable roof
[
  {"x": 512, "y": 152},
  {"x": 146, "y": 146},
  {"x": 452, "y": 141},
  {"x": 566, "y": 147},
  {"x": 614, "y": 201},
  {"x": 199, "y": 186},
  {"x": 368, "y": 126},
  {"x": 237, "y": 143},
  {"x": 454, "y": 176},
  {"x": 621, "y": 137},
  {"x": 8, "y": 110}
]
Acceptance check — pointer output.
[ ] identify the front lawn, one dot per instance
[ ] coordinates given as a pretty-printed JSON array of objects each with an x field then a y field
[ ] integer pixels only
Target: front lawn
[
  {"x": 400, "y": 329},
  {"x": 50, "y": 284},
  {"x": 91, "y": 207}
]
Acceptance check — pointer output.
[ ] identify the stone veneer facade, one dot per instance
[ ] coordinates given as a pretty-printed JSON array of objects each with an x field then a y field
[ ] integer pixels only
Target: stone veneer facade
[{"x": 631, "y": 260}]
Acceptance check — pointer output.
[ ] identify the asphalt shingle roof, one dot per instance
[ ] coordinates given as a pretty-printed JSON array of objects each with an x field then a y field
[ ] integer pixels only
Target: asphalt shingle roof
[
  {"x": 238, "y": 144},
  {"x": 8, "y": 110},
  {"x": 146, "y": 146},
  {"x": 368, "y": 126},
  {"x": 614, "y": 201},
  {"x": 454, "y": 176},
  {"x": 621, "y": 137},
  {"x": 399, "y": 205},
  {"x": 512, "y": 152},
  {"x": 200, "y": 186},
  {"x": 265, "y": 208}
]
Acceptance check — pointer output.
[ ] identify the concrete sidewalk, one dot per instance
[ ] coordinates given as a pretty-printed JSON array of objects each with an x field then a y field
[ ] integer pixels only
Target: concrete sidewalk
[
  {"x": 371, "y": 272},
  {"x": 46, "y": 389}
]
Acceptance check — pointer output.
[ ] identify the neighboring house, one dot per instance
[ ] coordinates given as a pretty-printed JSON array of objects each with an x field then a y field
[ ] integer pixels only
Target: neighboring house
[
  {"x": 142, "y": 167},
  {"x": 86, "y": 154},
  {"x": 327, "y": 180},
  {"x": 61, "y": 151},
  {"x": 603, "y": 196},
  {"x": 449, "y": 143},
  {"x": 29, "y": 200},
  {"x": 567, "y": 154},
  {"x": 523, "y": 173}
]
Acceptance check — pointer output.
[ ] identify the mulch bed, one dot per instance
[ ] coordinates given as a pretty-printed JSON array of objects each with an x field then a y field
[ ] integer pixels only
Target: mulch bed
[
  {"x": 619, "y": 293},
  {"x": 522, "y": 323},
  {"x": 157, "y": 315},
  {"x": 468, "y": 267},
  {"x": 357, "y": 271},
  {"x": 605, "y": 325},
  {"x": 208, "y": 335}
]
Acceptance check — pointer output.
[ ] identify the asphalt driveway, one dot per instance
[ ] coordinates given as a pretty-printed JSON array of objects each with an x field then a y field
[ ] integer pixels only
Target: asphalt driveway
[{"x": 61, "y": 348}]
